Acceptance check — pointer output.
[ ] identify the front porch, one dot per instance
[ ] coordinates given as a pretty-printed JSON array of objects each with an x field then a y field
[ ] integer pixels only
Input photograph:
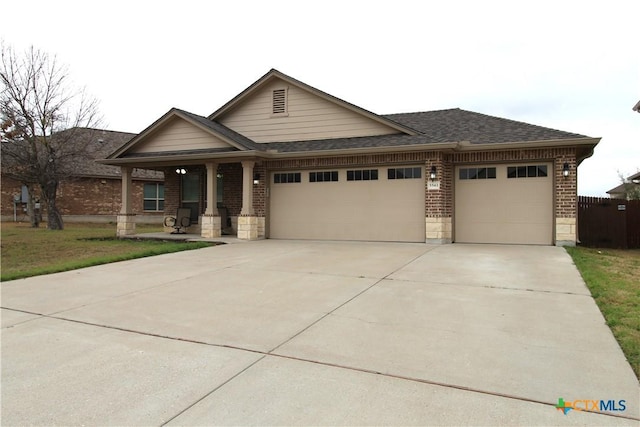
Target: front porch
[{"x": 226, "y": 200}]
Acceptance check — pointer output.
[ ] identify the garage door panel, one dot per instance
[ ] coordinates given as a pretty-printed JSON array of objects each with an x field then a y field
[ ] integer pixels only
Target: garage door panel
[
  {"x": 504, "y": 210},
  {"x": 378, "y": 210}
]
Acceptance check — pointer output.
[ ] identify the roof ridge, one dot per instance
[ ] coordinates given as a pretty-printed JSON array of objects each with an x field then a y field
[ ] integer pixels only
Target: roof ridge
[
  {"x": 423, "y": 112},
  {"x": 97, "y": 129}
]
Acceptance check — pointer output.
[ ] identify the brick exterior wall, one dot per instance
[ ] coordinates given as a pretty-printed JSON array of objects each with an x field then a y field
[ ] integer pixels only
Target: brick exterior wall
[
  {"x": 82, "y": 196},
  {"x": 260, "y": 190},
  {"x": 439, "y": 203},
  {"x": 231, "y": 187},
  {"x": 566, "y": 189},
  {"x": 90, "y": 196},
  {"x": 171, "y": 191}
]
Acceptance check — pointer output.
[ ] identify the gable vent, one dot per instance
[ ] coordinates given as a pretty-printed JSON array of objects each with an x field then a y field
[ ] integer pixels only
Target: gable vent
[{"x": 279, "y": 101}]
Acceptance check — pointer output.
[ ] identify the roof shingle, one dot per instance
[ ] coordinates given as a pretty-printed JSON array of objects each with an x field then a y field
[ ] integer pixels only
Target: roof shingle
[{"x": 455, "y": 125}]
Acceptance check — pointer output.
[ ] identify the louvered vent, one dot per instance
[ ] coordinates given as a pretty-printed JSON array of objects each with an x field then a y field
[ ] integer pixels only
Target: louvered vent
[{"x": 279, "y": 101}]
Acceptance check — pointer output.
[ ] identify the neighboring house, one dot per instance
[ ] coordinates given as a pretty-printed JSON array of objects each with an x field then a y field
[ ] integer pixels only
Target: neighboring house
[
  {"x": 285, "y": 160},
  {"x": 622, "y": 190},
  {"x": 93, "y": 194}
]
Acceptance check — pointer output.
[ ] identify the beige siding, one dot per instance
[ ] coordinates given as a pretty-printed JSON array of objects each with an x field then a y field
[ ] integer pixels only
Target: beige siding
[
  {"x": 309, "y": 117},
  {"x": 379, "y": 210},
  {"x": 504, "y": 210},
  {"x": 178, "y": 134}
]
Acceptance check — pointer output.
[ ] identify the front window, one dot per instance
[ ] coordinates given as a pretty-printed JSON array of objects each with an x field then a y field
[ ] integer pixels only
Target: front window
[{"x": 154, "y": 197}]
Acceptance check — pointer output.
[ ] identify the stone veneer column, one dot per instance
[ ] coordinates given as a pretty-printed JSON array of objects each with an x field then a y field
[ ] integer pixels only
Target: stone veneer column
[
  {"x": 126, "y": 220},
  {"x": 247, "y": 221},
  {"x": 210, "y": 221}
]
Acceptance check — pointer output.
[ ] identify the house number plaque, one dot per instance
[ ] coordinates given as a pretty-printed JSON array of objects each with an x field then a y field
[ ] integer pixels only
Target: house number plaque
[{"x": 433, "y": 185}]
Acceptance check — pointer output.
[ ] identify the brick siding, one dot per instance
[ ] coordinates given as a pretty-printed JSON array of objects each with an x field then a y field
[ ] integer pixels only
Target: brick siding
[
  {"x": 103, "y": 196},
  {"x": 82, "y": 196}
]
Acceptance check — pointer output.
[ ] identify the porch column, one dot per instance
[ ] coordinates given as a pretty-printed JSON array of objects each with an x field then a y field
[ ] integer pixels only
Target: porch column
[
  {"x": 247, "y": 221},
  {"x": 211, "y": 224},
  {"x": 126, "y": 223},
  {"x": 247, "y": 188}
]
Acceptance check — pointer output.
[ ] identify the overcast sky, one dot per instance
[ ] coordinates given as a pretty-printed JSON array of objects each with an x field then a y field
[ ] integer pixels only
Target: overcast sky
[{"x": 568, "y": 65}]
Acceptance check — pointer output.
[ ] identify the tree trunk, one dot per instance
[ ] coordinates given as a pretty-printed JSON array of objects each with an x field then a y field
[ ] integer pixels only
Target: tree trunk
[
  {"x": 54, "y": 218},
  {"x": 34, "y": 216}
]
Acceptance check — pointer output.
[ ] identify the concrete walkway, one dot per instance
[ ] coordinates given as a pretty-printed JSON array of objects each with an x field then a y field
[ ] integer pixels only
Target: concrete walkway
[{"x": 313, "y": 333}]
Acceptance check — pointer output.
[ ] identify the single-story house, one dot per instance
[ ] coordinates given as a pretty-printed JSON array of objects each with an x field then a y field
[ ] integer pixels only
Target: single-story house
[
  {"x": 93, "y": 193},
  {"x": 622, "y": 191},
  {"x": 285, "y": 160}
]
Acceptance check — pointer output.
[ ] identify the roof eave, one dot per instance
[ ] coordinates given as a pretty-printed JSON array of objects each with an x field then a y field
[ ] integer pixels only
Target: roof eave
[
  {"x": 161, "y": 160},
  {"x": 274, "y": 154},
  {"x": 586, "y": 143},
  {"x": 174, "y": 112}
]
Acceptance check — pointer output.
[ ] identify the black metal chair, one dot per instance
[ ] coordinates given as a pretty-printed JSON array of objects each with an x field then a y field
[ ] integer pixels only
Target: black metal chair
[{"x": 179, "y": 222}]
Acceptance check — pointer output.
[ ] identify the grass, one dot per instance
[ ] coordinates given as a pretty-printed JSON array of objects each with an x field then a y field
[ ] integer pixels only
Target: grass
[
  {"x": 30, "y": 251},
  {"x": 613, "y": 277}
]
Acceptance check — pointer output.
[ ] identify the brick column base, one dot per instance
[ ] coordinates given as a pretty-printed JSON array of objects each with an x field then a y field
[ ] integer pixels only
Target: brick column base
[
  {"x": 565, "y": 232},
  {"x": 438, "y": 230},
  {"x": 247, "y": 227},
  {"x": 210, "y": 226},
  {"x": 126, "y": 225}
]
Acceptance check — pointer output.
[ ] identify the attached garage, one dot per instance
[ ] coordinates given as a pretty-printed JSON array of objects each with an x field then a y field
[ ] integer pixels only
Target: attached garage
[
  {"x": 375, "y": 203},
  {"x": 285, "y": 160},
  {"x": 504, "y": 203}
]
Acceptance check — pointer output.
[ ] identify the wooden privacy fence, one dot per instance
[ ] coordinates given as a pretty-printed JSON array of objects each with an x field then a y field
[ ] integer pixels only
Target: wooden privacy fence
[{"x": 608, "y": 223}]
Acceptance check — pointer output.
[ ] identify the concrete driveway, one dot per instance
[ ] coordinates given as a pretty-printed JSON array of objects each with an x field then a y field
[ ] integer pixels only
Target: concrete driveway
[{"x": 314, "y": 333}]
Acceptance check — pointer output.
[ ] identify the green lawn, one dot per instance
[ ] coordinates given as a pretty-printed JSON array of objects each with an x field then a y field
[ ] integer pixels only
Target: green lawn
[
  {"x": 27, "y": 251},
  {"x": 613, "y": 277}
]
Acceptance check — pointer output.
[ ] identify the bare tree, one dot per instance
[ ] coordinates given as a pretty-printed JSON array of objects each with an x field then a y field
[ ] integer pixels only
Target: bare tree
[{"x": 39, "y": 113}]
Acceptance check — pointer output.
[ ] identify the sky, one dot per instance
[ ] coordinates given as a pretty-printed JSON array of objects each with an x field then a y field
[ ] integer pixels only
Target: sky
[{"x": 568, "y": 65}]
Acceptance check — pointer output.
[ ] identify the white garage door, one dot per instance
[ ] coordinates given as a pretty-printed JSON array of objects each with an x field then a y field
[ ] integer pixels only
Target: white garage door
[
  {"x": 377, "y": 204},
  {"x": 511, "y": 203}
]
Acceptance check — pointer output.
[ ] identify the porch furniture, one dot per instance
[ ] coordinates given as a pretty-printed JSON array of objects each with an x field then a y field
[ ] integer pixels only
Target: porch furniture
[{"x": 179, "y": 222}]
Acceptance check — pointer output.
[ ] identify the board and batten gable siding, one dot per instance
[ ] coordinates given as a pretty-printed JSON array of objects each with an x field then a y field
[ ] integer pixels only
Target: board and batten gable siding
[
  {"x": 178, "y": 134},
  {"x": 308, "y": 117}
]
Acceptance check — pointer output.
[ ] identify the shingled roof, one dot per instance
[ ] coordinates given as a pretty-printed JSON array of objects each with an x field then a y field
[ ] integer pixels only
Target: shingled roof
[
  {"x": 432, "y": 127},
  {"x": 453, "y": 125},
  {"x": 100, "y": 144},
  {"x": 461, "y": 125}
]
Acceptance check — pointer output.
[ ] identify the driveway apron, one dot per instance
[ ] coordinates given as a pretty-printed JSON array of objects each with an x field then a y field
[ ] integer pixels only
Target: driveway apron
[{"x": 326, "y": 333}]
